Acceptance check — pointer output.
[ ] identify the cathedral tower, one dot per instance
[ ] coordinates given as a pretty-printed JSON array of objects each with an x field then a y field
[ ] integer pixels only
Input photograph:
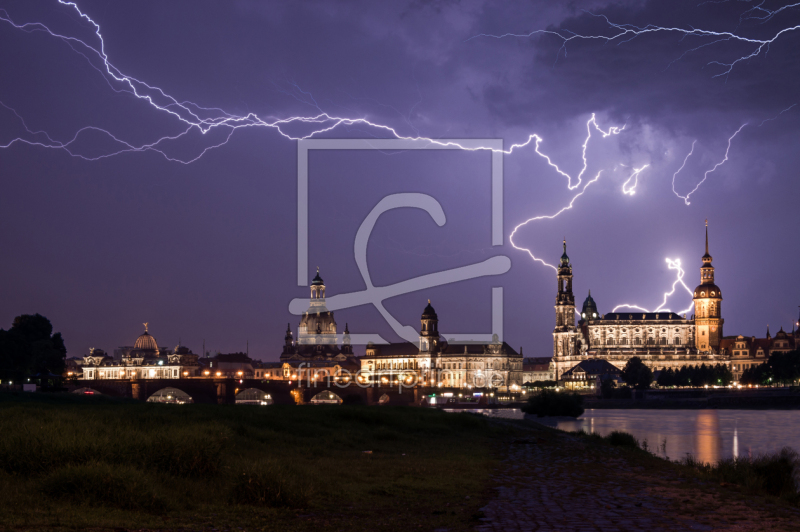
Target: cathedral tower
[
  {"x": 565, "y": 300},
  {"x": 707, "y": 307},
  {"x": 565, "y": 334}
]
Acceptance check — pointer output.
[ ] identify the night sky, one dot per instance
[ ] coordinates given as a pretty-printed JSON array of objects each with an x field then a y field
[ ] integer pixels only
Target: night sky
[{"x": 208, "y": 250}]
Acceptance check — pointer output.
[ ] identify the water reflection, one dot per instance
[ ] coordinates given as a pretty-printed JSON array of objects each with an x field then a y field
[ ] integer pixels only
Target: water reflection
[
  {"x": 708, "y": 439},
  {"x": 708, "y": 435}
]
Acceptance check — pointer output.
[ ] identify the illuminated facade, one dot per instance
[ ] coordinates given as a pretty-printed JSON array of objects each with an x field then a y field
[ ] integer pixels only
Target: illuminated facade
[
  {"x": 660, "y": 339},
  {"x": 143, "y": 360},
  {"x": 316, "y": 335},
  {"x": 746, "y": 352},
  {"x": 707, "y": 308},
  {"x": 434, "y": 362}
]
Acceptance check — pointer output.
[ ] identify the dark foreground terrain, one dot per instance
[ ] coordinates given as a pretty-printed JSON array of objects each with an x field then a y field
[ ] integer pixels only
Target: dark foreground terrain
[{"x": 81, "y": 463}]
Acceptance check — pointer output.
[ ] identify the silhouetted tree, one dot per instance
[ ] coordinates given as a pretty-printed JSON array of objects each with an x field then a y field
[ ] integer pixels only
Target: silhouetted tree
[
  {"x": 30, "y": 347},
  {"x": 636, "y": 374},
  {"x": 666, "y": 377}
]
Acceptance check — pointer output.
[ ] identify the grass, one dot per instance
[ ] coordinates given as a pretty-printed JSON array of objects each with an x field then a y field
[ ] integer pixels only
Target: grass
[
  {"x": 772, "y": 474},
  {"x": 777, "y": 474},
  {"x": 88, "y": 462}
]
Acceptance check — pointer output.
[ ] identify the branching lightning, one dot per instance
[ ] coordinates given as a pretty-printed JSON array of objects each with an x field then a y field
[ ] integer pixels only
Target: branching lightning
[
  {"x": 635, "y": 176},
  {"x": 627, "y": 32},
  {"x": 672, "y": 265},
  {"x": 706, "y": 174},
  {"x": 203, "y": 120}
]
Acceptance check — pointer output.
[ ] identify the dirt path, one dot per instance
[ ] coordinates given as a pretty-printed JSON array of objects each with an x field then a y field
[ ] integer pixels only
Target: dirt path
[{"x": 554, "y": 481}]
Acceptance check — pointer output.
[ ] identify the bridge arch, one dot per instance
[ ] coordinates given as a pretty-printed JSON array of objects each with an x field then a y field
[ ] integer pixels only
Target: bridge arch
[
  {"x": 254, "y": 396},
  {"x": 170, "y": 395},
  {"x": 326, "y": 397}
]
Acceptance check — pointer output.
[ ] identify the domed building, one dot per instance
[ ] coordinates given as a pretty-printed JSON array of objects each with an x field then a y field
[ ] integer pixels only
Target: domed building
[
  {"x": 317, "y": 338},
  {"x": 660, "y": 339},
  {"x": 145, "y": 347},
  {"x": 142, "y": 360}
]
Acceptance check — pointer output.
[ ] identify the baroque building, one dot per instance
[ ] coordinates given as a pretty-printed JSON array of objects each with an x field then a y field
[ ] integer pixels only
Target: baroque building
[
  {"x": 435, "y": 362},
  {"x": 143, "y": 360},
  {"x": 746, "y": 352},
  {"x": 317, "y": 333},
  {"x": 660, "y": 339}
]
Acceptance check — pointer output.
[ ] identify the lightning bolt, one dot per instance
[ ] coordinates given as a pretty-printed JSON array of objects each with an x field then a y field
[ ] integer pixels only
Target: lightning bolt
[
  {"x": 672, "y": 265},
  {"x": 627, "y": 32},
  {"x": 204, "y": 120},
  {"x": 635, "y": 176},
  {"x": 706, "y": 174}
]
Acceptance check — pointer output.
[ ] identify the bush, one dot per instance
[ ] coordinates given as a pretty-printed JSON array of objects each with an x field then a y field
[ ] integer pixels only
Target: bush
[
  {"x": 267, "y": 484},
  {"x": 98, "y": 484},
  {"x": 552, "y": 403},
  {"x": 622, "y": 439}
]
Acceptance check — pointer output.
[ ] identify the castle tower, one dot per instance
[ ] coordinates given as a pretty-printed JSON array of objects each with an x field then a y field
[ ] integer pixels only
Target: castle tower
[
  {"x": 565, "y": 300},
  {"x": 565, "y": 334},
  {"x": 707, "y": 307},
  {"x": 429, "y": 331}
]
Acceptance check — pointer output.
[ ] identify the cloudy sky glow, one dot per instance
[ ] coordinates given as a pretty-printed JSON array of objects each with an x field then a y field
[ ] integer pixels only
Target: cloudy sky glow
[{"x": 207, "y": 250}]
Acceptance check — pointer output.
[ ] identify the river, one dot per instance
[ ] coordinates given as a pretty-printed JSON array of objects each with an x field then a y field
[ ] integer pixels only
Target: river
[{"x": 708, "y": 435}]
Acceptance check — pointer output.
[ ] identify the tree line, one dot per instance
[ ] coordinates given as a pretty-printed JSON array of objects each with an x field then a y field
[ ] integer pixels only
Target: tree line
[
  {"x": 29, "y": 347},
  {"x": 781, "y": 368},
  {"x": 702, "y": 375}
]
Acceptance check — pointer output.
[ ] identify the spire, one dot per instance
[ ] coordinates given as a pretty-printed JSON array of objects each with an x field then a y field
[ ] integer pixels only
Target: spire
[
  {"x": 768, "y": 331},
  {"x": 346, "y": 329},
  {"x": 706, "y": 236},
  {"x": 564, "y": 256}
]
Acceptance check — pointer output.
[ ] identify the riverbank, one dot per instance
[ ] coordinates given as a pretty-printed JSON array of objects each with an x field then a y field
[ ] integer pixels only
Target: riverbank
[
  {"x": 84, "y": 463},
  {"x": 552, "y": 480}
]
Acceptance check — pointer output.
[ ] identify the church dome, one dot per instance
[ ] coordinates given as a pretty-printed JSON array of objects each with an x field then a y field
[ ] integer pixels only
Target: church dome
[
  {"x": 146, "y": 343},
  {"x": 710, "y": 290},
  {"x": 589, "y": 310},
  {"x": 429, "y": 313}
]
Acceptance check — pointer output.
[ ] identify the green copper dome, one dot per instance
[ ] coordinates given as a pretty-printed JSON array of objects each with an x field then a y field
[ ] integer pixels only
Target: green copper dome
[{"x": 564, "y": 256}]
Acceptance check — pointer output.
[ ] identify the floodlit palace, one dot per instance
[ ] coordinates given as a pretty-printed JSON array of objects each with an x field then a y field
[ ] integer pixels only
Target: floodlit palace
[
  {"x": 660, "y": 339},
  {"x": 598, "y": 344}
]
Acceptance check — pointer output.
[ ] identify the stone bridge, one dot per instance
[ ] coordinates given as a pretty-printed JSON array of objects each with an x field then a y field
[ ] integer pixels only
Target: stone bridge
[{"x": 224, "y": 390}]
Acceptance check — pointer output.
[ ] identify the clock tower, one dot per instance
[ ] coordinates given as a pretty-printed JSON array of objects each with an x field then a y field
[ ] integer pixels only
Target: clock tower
[{"x": 707, "y": 307}]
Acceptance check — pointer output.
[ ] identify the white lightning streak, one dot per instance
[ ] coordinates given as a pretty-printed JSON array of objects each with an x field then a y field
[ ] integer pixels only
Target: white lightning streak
[
  {"x": 628, "y": 32},
  {"x": 706, "y": 174},
  {"x": 672, "y": 265},
  {"x": 635, "y": 176}
]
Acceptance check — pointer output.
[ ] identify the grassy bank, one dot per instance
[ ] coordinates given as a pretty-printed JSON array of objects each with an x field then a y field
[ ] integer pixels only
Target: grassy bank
[
  {"x": 83, "y": 462},
  {"x": 772, "y": 474}
]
